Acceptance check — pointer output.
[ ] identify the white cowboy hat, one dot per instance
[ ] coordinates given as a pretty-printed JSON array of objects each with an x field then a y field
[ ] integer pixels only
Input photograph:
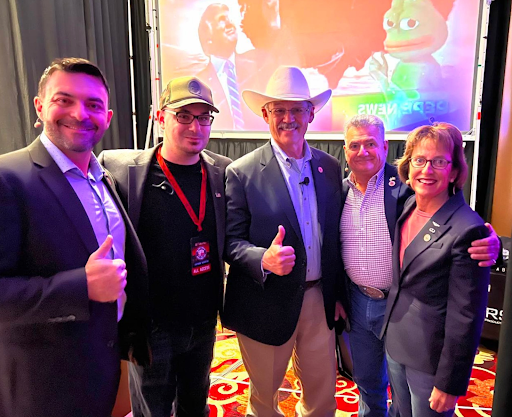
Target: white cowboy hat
[{"x": 286, "y": 84}]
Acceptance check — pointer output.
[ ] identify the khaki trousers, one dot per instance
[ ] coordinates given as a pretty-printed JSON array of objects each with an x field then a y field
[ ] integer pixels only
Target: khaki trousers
[{"x": 312, "y": 349}]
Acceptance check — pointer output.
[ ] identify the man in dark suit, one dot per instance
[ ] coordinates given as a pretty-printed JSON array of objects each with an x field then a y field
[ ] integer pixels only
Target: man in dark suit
[
  {"x": 283, "y": 209},
  {"x": 174, "y": 195},
  {"x": 228, "y": 72},
  {"x": 372, "y": 201},
  {"x": 63, "y": 237}
]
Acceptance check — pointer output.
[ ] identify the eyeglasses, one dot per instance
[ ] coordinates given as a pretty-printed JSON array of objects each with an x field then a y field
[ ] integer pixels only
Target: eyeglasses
[
  {"x": 437, "y": 163},
  {"x": 295, "y": 111},
  {"x": 187, "y": 118}
]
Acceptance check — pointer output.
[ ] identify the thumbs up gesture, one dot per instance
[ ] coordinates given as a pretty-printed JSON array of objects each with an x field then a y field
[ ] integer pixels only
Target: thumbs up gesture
[
  {"x": 106, "y": 278},
  {"x": 279, "y": 259}
]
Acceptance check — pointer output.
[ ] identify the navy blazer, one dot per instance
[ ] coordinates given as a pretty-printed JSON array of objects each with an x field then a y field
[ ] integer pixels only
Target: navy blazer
[
  {"x": 59, "y": 351},
  {"x": 437, "y": 303},
  {"x": 258, "y": 202}
]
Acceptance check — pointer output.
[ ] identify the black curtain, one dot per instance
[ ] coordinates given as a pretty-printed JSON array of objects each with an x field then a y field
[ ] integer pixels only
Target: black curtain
[
  {"x": 34, "y": 32},
  {"x": 495, "y": 60},
  {"x": 234, "y": 149},
  {"x": 140, "y": 42}
]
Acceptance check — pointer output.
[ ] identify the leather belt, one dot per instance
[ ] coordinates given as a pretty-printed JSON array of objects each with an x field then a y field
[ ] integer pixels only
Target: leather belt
[
  {"x": 311, "y": 284},
  {"x": 373, "y": 293}
]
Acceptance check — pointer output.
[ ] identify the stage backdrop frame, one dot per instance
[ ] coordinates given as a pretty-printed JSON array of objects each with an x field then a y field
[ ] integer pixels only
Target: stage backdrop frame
[{"x": 154, "y": 18}]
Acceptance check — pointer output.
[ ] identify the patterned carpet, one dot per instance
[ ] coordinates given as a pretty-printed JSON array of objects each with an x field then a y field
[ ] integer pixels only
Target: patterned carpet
[{"x": 229, "y": 388}]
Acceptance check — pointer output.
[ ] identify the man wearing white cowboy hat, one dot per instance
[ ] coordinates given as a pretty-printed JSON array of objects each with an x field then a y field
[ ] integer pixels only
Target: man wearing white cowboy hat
[{"x": 283, "y": 210}]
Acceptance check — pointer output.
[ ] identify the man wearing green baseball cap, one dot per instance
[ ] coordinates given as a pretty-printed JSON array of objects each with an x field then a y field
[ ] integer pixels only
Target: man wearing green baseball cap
[{"x": 174, "y": 195}]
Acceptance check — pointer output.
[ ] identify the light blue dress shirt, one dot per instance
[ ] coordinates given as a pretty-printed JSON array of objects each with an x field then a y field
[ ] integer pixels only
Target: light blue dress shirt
[
  {"x": 304, "y": 203},
  {"x": 97, "y": 202}
]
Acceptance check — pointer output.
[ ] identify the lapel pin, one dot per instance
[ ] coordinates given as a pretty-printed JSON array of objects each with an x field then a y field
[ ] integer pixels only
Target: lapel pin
[
  {"x": 320, "y": 170},
  {"x": 218, "y": 195},
  {"x": 427, "y": 238},
  {"x": 435, "y": 224},
  {"x": 392, "y": 181},
  {"x": 432, "y": 230}
]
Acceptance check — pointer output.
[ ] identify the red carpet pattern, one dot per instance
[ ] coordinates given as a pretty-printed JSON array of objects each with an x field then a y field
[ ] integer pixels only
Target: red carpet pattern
[{"x": 229, "y": 386}]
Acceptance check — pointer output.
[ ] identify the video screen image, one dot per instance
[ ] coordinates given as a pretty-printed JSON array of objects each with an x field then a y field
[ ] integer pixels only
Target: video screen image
[{"x": 409, "y": 62}]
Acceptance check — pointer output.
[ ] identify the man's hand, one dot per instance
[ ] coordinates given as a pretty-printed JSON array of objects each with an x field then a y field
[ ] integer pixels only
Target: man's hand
[
  {"x": 486, "y": 250},
  {"x": 106, "y": 278},
  {"x": 339, "y": 312},
  {"x": 441, "y": 401},
  {"x": 279, "y": 259}
]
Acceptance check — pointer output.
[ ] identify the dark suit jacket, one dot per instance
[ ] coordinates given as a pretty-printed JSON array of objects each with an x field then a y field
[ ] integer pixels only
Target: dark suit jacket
[
  {"x": 130, "y": 169},
  {"x": 59, "y": 352},
  {"x": 437, "y": 302},
  {"x": 257, "y": 203},
  {"x": 395, "y": 197}
]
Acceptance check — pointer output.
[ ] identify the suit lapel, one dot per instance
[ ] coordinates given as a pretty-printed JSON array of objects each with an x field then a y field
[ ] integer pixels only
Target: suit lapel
[
  {"x": 391, "y": 193},
  {"x": 271, "y": 170},
  {"x": 433, "y": 230},
  {"x": 216, "y": 183},
  {"x": 320, "y": 190},
  {"x": 137, "y": 175},
  {"x": 64, "y": 194},
  {"x": 131, "y": 235}
]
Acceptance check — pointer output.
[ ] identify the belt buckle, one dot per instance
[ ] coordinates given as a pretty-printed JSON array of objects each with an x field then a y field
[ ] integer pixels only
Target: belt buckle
[{"x": 373, "y": 293}]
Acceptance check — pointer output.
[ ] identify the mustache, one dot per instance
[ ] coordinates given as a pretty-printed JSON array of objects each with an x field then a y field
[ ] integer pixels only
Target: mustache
[{"x": 284, "y": 125}]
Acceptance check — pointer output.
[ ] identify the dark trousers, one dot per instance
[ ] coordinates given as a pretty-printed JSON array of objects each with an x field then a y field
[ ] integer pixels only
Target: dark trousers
[{"x": 179, "y": 373}]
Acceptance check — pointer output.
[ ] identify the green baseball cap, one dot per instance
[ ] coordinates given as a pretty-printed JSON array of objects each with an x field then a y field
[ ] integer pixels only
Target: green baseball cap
[{"x": 182, "y": 91}]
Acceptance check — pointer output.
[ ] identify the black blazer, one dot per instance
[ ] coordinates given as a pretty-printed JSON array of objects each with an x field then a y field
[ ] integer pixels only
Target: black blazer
[
  {"x": 130, "y": 169},
  {"x": 438, "y": 299},
  {"x": 257, "y": 203},
  {"x": 59, "y": 351}
]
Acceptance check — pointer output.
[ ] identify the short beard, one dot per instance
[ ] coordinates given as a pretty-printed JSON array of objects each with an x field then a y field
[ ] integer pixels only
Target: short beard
[{"x": 52, "y": 131}]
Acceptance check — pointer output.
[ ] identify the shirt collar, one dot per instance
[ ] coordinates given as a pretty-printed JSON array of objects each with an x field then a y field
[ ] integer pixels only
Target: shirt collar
[
  {"x": 218, "y": 63},
  {"x": 281, "y": 155},
  {"x": 65, "y": 164},
  {"x": 376, "y": 179}
]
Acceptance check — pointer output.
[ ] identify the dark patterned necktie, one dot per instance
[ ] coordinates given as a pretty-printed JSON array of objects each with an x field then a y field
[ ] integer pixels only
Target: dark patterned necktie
[{"x": 234, "y": 95}]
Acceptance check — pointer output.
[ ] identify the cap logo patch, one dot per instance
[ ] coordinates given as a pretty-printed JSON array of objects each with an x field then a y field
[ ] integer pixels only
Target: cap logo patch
[{"x": 194, "y": 88}]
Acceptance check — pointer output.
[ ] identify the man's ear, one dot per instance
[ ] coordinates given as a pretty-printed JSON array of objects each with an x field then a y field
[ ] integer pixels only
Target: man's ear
[
  {"x": 311, "y": 114},
  {"x": 264, "y": 112},
  {"x": 38, "y": 105}
]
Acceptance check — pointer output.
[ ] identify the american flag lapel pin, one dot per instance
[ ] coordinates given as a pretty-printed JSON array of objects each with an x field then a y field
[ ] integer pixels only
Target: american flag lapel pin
[
  {"x": 320, "y": 170},
  {"x": 392, "y": 181}
]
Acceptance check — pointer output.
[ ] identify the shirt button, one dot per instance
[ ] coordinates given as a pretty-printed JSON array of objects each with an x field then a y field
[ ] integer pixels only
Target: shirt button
[
  {"x": 307, "y": 223},
  {"x": 363, "y": 269},
  {"x": 309, "y": 247}
]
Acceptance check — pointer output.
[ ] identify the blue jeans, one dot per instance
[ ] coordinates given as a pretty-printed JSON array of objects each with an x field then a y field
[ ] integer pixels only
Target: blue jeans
[
  {"x": 179, "y": 373},
  {"x": 368, "y": 355},
  {"x": 411, "y": 391}
]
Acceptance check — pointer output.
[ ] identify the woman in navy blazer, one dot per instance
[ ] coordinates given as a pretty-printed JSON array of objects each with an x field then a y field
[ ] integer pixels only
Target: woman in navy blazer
[{"x": 437, "y": 302}]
